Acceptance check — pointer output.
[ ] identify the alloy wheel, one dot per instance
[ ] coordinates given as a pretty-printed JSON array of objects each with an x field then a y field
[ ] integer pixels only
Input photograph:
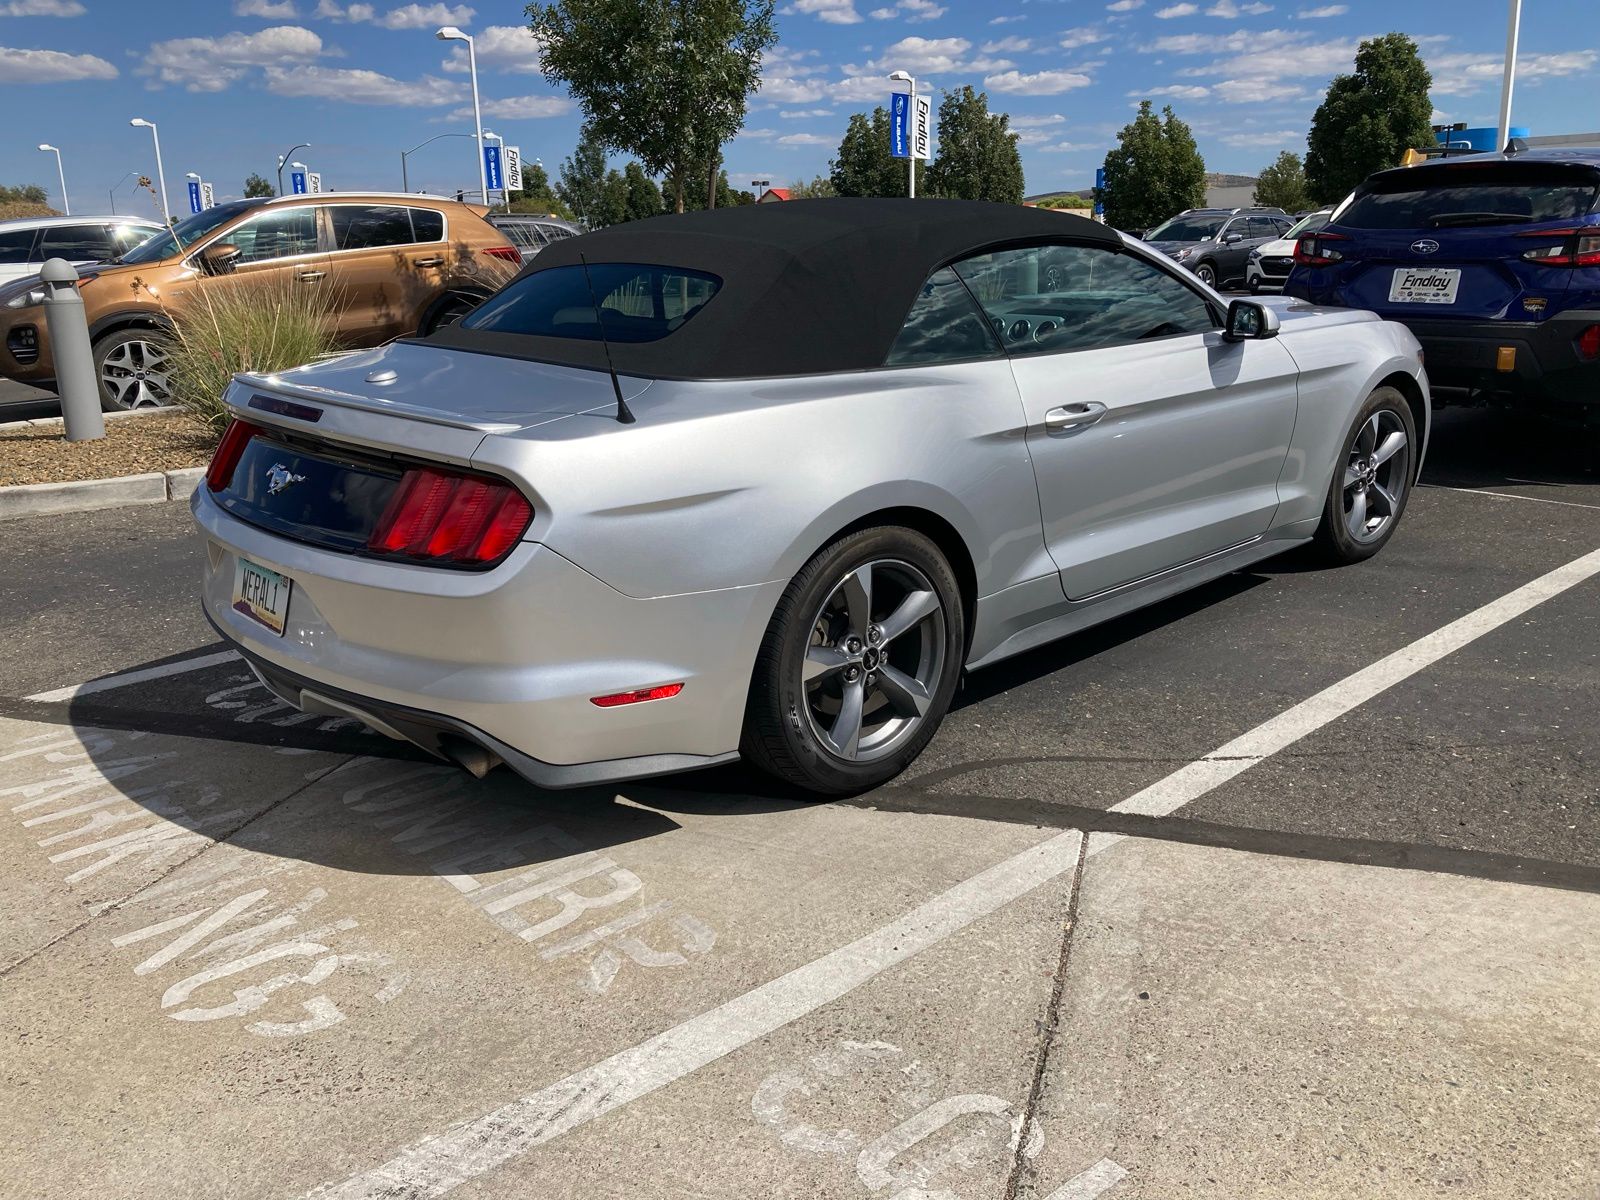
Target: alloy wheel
[
  {"x": 136, "y": 374},
  {"x": 874, "y": 660},
  {"x": 1376, "y": 476},
  {"x": 1206, "y": 274}
]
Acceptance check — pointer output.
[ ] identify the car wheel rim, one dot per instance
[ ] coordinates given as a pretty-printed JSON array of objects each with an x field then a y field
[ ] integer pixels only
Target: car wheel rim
[
  {"x": 136, "y": 374},
  {"x": 874, "y": 660},
  {"x": 1207, "y": 275},
  {"x": 1376, "y": 475}
]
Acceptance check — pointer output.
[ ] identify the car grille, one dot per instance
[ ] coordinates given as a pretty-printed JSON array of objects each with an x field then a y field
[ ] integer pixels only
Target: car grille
[
  {"x": 23, "y": 343},
  {"x": 1277, "y": 266}
]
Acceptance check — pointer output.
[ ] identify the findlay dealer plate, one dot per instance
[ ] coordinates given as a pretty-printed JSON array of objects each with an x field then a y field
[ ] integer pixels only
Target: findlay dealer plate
[
  {"x": 261, "y": 595},
  {"x": 1424, "y": 285}
]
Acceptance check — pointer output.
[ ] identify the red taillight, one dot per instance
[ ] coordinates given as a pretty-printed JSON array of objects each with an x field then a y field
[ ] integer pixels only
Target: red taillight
[
  {"x": 440, "y": 516},
  {"x": 234, "y": 439},
  {"x": 1578, "y": 247},
  {"x": 665, "y": 692},
  {"x": 1589, "y": 342},
  {"x": 509, "y": 253},
  {"x": 1310, "y": 251}
]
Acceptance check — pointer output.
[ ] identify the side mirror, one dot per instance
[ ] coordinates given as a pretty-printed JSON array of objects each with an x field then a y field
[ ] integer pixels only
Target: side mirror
[
  {"x": 1250, "y": 320},
  {"x": 218, "y": 258},
  {"x": 1229, "y": 239}
]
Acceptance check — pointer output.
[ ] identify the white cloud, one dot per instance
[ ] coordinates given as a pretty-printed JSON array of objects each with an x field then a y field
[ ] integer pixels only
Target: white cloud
[
  {"x": 1280, "y": 138},
  {"x": 805, "y": 139},
  {"x": 1255, "y": 54},
  {"x": 1007, "y": 45},
  {"x": 42, "y": 8},
  {"x": 782, "y": 89},
  {"x": 1327, "y": 10},
  {"x": 271, "y": 10},
  {"x": 883, "y": 14},
  {"x": 798, "y": 113},
  {"x": 1176, "y": 10},
  {"x": 924, "y": 56},
  {"x": 1255, "y": 91},
  {"x": 759, "y": 135},
  {"x": 211, "y": 64},
  {"x": 519, "y": 108},
  {"x": 1459, "y": 74},
  {"x": 1039, "y": 83},
  {"x": 833, "y": 12},
  {"x": 1177, "y": 91},
  {"x": 328, "y": 10},
  {"x": 51, "y": 66},
  {"x": 426, "y": 16},
  {"x": 922, "y": 10},
  {"x": 856, "y": 88},
  {"x": 1122, "y": 6},
  {"x": 1227, "y": 9},
  {"x": 1067, "y": 147},
  {"x": 1086, "y": 35},
  {"x": 1007, "y": 20},
  {"x": 362, "y": 87},
  {"x": 500, "y": 48},
  {"x": 1037, "y": 122}
]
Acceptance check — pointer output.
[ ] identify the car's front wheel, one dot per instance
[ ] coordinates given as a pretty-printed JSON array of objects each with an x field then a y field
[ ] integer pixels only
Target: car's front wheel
[
  {"x": 1206, "y": 273},
  {"x": 133, "y": 369},
  {"x": 1371, "y": 480},
  {"x": 858, "y": 665}
]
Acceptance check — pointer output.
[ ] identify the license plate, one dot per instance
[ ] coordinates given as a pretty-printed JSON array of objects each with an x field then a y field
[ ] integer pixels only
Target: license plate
[
  {"x": 1424, "y": 285},
  {"x": 261, "y": 595}
]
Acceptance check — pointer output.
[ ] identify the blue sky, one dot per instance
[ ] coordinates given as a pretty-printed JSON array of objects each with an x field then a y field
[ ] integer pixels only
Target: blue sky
[{"x": 233, "y": 83}]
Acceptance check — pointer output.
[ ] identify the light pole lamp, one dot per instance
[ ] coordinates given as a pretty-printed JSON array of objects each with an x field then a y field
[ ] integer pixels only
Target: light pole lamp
[
  {"x": 111, "y": 192},
  {"x": 450, "y": 33},
  {"x": 911, "y": 117},
  {"x": 161, "y": 172},
  {"x": 283, "y": 158},
  {"x": 66, "y": 203}
]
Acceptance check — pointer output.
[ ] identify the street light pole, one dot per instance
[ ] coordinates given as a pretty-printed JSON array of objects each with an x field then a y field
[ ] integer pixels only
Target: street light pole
[
  {"x": 450, "y": 33},
  {"x": 161, "y": 172},
  {"x": 111, "y": 192},
  {"x": 405, "y": 179},
  {"x": 66, "y": 202},
  {"x": 1511, "y": 73},
  {"x": 283, "y": 158}
]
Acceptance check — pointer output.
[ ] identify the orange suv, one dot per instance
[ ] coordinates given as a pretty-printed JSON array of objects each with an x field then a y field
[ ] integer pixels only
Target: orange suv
[{"x": 396, "y": 264}]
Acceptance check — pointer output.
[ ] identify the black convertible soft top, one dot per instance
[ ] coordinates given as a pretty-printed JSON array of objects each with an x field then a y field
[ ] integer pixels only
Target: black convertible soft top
[{"x": 808, "y": 286}]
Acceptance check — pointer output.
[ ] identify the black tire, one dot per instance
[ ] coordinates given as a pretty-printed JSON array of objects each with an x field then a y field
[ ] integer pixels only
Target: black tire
[
  {"x": 1336, "y": 542},
  {"x": 1206, "y": 273},
  {"x": 1255, "y": 287},
  {"x": 448, "y": 311},
  {"x": 782, "y": 728},
  {"x": 125, "y": 365}
]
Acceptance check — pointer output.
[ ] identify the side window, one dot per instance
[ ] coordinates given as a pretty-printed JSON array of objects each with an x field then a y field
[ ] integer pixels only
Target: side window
[
  {"x": 75, "y": 242},
  {"x": 126, "y": 237},
  {"x": 16, "y": 245},
  {"x": 277, "y": 233},
  {"x": 1049, "y": 299},
  {"x": 371, "y": 226},
  {"x": 942, "y": 326}
]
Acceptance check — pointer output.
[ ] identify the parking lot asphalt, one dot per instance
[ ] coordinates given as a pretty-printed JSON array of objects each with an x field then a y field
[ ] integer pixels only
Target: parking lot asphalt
[{"x": 1286, "y": 887}]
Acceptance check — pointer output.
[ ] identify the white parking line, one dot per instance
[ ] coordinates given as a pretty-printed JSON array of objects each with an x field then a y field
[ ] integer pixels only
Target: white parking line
[
  {"x": 1511, "y": 496},
  {"x": 130, "y": 677},
  {"x": 436, "y": 1164}
]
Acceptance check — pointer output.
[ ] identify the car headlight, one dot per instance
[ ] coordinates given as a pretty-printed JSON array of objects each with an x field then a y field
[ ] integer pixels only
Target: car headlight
[
  {"x": 26, "y": 299},
  {"x": 1184, "y": 253},
  {"x": 1255, "y": 256}
]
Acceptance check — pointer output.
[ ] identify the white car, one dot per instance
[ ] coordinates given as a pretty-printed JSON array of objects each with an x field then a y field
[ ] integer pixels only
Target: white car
[
  {"x": 25, "y": 244},
  {"x": 1269, "y": 265}
]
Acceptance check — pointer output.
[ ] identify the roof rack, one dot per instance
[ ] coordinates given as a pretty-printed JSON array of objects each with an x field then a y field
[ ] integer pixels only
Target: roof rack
[{"x": 302, "y": 196}]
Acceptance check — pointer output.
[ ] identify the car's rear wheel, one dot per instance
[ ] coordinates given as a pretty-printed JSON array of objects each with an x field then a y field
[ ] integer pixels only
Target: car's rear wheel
[
  {"x": 1371, "y": 480},
  {"x": 1206, "y": 274},
  {"x": 859, "y": 664},
  {"x": 134, "y": 369}
]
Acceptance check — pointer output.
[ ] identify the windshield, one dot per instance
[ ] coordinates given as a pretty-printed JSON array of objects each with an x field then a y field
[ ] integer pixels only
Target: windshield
[
  {"x": 1455, "y": 197},
  {"x": 637, "y": 303},
  {"x": 186, "y": 233},
  {"x": 1186, "y": 229},
  {"x": 1307, "y": 225}
]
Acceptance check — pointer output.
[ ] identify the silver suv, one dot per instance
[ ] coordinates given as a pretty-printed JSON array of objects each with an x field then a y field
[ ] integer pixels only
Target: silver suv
[{"x": 25, "y": 244}]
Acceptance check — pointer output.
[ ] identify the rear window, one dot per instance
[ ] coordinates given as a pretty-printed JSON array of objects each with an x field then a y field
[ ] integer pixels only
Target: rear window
[
  {"x": 371, "y": 226},
  {"x": 637, "y": 303},
  {"x": 1458, "y": 197},
  {"x": 16, "y": 245}
]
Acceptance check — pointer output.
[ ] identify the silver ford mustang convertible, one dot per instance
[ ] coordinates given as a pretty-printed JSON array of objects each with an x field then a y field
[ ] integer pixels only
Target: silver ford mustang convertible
[{"x": 763, "y": 482}]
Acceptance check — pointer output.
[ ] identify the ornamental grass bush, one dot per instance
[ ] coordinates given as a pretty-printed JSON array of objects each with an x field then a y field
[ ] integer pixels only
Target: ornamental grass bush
[{"x": 228, "y": 326}]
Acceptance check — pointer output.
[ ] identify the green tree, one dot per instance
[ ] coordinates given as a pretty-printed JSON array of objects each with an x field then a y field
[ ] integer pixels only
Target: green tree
[
  {"x": 864, "y": 166},
  {"x": 819, "y": 188},
  {"x": 644, "y": 197},
  {"x": 1369, "y": 119},
  {"x": 255, "y": 186},
  {"x": 612, "y": 204},
  {"x": 583, "y": 178},
  {"x": 26, "y": 193},
  {"x": 978, "y": 157},
  {"x": 537, "y": 196},
  {"x": 1155, "y": 171},
  {"x": 665, "y": 80},
  {"x": 727, "y": 196},
  {"x": 1283, "y": 184}
]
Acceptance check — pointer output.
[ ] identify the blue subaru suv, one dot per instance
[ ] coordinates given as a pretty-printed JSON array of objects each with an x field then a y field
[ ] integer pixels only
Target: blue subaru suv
[{"x": 1491, "y": 260}]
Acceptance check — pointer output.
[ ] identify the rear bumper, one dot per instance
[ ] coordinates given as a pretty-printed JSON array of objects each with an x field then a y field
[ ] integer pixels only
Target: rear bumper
[{"x": 506, "y": 659}]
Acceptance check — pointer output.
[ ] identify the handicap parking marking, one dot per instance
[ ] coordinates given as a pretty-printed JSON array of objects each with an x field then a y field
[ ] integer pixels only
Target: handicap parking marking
[{"x": 437, "y": 1163}]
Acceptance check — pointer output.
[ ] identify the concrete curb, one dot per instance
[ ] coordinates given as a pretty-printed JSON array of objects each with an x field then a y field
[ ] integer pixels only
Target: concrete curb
[
  {"x": 56, "y": 422},
  {"x": 46, "y": 499}
]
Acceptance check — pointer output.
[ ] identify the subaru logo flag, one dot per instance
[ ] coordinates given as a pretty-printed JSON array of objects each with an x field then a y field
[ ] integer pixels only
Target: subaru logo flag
[
  {"x": 297, "y": 182},
  {"x": 491, "y": 168},
  {"x": 900, "y": 124},
  {"x": 194, "y": 195}
]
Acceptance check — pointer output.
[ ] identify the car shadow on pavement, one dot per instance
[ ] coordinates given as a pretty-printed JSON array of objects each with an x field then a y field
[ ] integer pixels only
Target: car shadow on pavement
[{"x": 1490, "y": 448}]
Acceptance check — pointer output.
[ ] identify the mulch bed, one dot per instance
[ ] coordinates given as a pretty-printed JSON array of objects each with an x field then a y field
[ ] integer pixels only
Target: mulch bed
[{"x": 132, "y": 446}]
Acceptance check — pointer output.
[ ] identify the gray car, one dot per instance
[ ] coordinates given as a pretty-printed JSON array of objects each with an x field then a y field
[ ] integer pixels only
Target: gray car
[
  {"x": 764, "y": 482},
  {"x": 1215, "y": 243}
]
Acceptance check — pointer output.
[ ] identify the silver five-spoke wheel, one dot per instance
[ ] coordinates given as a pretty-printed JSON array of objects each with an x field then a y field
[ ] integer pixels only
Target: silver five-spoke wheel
[
  {"x": 136, "y": 374},
  {"x": 1376, "y": 475},
  {"x": 874, "y": 660}
]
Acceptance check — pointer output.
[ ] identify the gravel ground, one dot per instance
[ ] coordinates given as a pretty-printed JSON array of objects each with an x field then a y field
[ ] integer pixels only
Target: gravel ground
[{"x": 152, "y": 442}]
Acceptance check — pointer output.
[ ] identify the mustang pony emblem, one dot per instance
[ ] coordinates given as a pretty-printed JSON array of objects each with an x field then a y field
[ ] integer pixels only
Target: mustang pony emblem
[{"x": 280, "y": 477}]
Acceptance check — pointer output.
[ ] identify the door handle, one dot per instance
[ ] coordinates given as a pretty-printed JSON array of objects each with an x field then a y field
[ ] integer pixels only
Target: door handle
[
  {"x": 309, "y": 276},
  {"x": 430, "y": 262},
  {"x": 1073, "y": 416}
]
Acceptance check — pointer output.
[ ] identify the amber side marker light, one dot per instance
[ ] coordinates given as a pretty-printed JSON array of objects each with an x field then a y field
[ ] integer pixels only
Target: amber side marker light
[
  {"x": 665, "y": 692},
  {"x": 1505, "y": 359}
]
